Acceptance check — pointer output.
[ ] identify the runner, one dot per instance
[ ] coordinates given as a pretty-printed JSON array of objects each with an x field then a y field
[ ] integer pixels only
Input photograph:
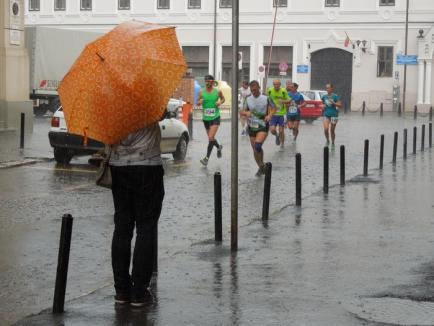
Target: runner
[
  {"x": 332, "y": 104},
  {"x": 294, "y": 109},
  {"x": 211, "y": 98},
  {"x": 259, "y": 110},
  {"x": 280, "y": 98},
  {"x": 243, "y": 92}
]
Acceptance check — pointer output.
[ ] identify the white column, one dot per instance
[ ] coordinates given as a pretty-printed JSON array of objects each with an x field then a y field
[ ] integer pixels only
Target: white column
[
  {"x": 428, "y": 82},
  {"x": 421, "y": 81}
]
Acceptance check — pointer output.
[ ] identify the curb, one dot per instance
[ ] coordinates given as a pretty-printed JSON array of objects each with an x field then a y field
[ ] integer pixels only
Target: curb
[{"x": 25, "y": 161}]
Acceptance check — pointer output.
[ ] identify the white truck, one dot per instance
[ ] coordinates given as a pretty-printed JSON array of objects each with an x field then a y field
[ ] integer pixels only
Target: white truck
[{"x": 52, "y": 51}]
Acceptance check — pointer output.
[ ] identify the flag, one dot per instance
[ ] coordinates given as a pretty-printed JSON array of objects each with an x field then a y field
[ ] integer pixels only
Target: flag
[{"x": 347, "y": 40}]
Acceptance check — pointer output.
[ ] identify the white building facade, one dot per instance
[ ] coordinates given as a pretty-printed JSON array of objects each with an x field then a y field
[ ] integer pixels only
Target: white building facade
[{"x": 309, "y": 40}]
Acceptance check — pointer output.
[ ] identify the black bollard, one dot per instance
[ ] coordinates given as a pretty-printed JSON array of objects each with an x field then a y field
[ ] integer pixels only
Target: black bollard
[
  {"x": 399, "y": 109},
  {"x": 366, "y": 158},
  {"x": 218, "y": 206},
  {"x": 326, "y": 170},
  {"x": 395, "y": 146},
  {"x": 298, "y": 179},
  {"x": 414, "y": 139},
  {"x": 363, "y": 107},
  {"x": 22, "y": 128},
  {"x": 415, "y": 112},
  {"x": 381, "y": 151},
  {"x": 381, "y": 109},
  {"x": 267, "y": 189},
  {"x": 404, "y": 144},
  {"x": 430, "y": 134},
  {"x": 62, "y": 264},
  {"x": 190, "y": 124},
  {"x": 342, "y": 165},
  {"x": 430, "y": 114},
  {"x": 422, "y": 141}
]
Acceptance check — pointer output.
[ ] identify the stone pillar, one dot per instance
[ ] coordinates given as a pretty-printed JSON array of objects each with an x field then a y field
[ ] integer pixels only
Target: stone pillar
[
  {"x": 428, "y": 82},
  {"x": 421, "y": 81},
  {"x": 14, "y": 67}
]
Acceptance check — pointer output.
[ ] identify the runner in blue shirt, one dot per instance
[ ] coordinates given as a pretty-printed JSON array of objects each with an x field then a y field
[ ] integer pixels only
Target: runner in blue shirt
[
  {"x": 294, "y": 109},
  {"x": 332, "y": 104}
]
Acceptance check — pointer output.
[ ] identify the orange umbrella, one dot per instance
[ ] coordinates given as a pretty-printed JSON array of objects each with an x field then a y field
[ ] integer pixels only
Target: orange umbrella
[{"x": 122, "y": 81}]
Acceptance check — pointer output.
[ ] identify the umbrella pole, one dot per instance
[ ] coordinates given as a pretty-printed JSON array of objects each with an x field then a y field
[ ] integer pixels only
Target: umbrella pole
[{"x": 234, "y": 122}]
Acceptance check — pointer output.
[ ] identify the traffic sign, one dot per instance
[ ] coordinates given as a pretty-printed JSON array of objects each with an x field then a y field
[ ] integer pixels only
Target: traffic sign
[
  {"x": 406, "y": 59},
  {"x": 283, "y": 66}
]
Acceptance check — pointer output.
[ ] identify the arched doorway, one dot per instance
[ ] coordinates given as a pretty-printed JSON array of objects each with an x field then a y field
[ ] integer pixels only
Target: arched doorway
[{"x": 334, "y": 66}]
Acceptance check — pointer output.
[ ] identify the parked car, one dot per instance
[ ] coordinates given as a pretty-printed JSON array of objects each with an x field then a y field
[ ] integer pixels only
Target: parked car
[
  {"x": 314, "y": 106},
  {"x": 174, "y": 138}
]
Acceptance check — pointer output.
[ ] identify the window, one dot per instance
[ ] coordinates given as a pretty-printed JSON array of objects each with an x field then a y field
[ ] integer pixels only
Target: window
[
  {"x": 225, "y": 3},
  {"x": 387, "y": 2},
  {"x": 385, "y": 61},
  {"x": 34, "y": 5},
  {"x": 197, "y": 58},
  {"x": 194, "y": 4},
  {"x": 227, "y": 64},
  {"x": 59, "y": 4},
  {"x": 332, "y": 3},
  {"x": 280, "y": 3},
  {"x": 124, "y": 4},
  {"x": 85, "y": 4},
  {"x": 163, "y": 4}
]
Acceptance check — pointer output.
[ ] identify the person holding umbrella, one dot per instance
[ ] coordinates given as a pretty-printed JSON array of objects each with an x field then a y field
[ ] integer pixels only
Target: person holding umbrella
[{"x": 211, "y": 98}]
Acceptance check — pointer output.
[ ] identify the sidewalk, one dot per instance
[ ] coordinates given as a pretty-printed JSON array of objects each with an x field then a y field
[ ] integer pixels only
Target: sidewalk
[{"x": 361, "y": 255}]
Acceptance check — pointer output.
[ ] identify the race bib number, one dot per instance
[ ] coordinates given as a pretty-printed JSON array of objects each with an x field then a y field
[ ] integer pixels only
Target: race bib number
[
  {"x": 254, "y": 122},
  {"x": 209, "y": 112},
  {"x": 292, "y": 110},
  {"x": 334, "y": 120}
]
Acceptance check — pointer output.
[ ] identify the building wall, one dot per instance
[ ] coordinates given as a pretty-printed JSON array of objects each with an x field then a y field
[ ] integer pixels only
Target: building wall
[{"x": 306, "y": 25}]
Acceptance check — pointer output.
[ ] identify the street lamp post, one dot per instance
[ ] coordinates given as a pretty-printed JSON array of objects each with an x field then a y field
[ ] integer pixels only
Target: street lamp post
[{"x": 404, "y": 87}]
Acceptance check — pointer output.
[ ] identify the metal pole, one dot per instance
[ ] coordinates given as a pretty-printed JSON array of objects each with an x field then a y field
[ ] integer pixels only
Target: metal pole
[
  {"x": 271, "y": 50},
  {"x": 363, "y": 108},
  {"x": 430, "y": 113},
  {"x": 395, "y": 146},
  {"x": 414, "y": 139},
  {"x": 381, "y": 109},
  {"x": 342, "y": 165},
  {"x": 234, "y": 124},
  {"x": 430, "y": 134},
  {"x": 326, "y": 170},
  {"x": 366, "y": 158},
  {"x": 218, "y": 207},
  {"x": 405, "y": 66},
  {"x": 214, "y": 66},
  {"x": 381, "y": 151},
  {"x": 267, "y": 190},
  {"x": 415, "y": 113},
  {"x": 399, "y": 109},
  {"x": 62, "y": 264},
  {"x": 298, "y": 179},
  {"x": 190, "y": 124},
  {"x": 422, "y": 142},
  {"x": 23, "y": 119},
  {"x": 404, "y": 141}
]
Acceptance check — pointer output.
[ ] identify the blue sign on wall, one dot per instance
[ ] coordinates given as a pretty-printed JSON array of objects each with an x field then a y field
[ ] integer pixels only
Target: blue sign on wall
[
  {"x": 302, "y": 69},
  {"x": 406, "y": 59}
]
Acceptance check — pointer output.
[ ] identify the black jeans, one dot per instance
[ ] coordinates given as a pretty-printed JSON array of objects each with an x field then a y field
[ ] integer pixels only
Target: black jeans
[{"x": 138, "y": 193}]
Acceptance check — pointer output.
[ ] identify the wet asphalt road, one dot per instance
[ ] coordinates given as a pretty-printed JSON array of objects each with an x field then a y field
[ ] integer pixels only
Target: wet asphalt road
[{"x": 34, "y": 197}]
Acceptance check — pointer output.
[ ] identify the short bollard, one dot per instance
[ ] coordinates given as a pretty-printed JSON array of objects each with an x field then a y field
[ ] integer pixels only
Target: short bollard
[
  {"x": 342, "y": 148},
  {"x": 62, "y": 264},
  {"x": 422, "y": 141},
  {"x": 404, "y": 144},
  {"x": 430, "y": 134},
  {"x": 399, "y": 109},
  {"x": 298, "y": 179},
  {"x": 363, "y": 107},
  {"x": 218, "y": 207},
  {"x": 430, "y": 113},
  {"x": 190, "y": 124},
  {"x": 22, "y": 128},
  {"x": 267, "y": 189},
  {"x": 326, "y": 170},
  {"x": 415, "y": 112},
  {"x": 395, "y": 146},
  {"x": 414, "y": 139},
  {"x": 381, "y": 109},
  {"x": 381, "y": 151},
  {"x": 366, "y": 158}
]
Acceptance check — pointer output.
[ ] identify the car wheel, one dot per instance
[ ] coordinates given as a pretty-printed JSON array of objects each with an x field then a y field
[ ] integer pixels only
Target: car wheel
[
  {"x": 40, "y": 110},
  {"x": 181, "y": 149},
  {"x": 309, "y": 121},
  {"x": 62, "y": 155}
]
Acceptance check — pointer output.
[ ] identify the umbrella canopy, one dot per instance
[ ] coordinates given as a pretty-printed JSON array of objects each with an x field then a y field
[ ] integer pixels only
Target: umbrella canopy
[{"x": 122, "y": 81}]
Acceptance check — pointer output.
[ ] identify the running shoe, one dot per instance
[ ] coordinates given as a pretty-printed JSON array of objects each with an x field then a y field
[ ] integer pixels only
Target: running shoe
[
  {"x": 277, "y": 139},
  {"x": 332, "y": 147},
  {"x": 261, "y": 171},
  {"x": 327, "y": 144},
  {"x": 219, "y": 151},
  {"x": 243, "y": 133},
  {"x": 282, "y": 148},
  {"x": 204, "y": 161}
]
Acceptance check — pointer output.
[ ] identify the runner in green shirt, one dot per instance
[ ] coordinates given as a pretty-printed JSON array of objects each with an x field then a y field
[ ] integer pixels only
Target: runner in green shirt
[
  {"x": 280, "y": 98},
  {"x": 211, "y": 98}
]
